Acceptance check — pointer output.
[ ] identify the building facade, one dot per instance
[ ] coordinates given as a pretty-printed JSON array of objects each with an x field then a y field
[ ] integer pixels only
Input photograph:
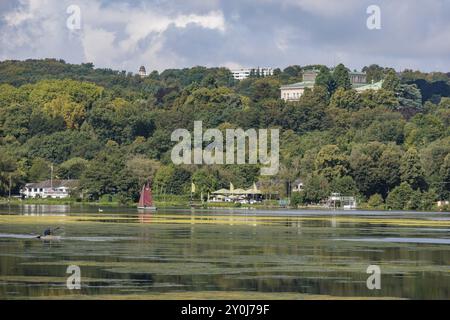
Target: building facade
[
  {"x": 56, "y": 189},
  {"x": 244, "y": 73},
  {"x": 293, "y": 92}
]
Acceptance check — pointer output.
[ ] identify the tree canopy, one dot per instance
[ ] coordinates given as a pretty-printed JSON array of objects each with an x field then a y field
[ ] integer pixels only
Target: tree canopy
[{"x": 112, "y": 129}]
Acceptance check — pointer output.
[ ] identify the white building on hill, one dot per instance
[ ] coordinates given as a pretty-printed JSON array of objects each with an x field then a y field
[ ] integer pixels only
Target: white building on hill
[
  {"x": 244, "y": 73},
  {"x": 293, "y": 92}
]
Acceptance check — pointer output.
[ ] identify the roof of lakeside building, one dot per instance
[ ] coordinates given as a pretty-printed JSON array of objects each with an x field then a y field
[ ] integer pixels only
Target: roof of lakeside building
[{"x": 56, "y": 184}]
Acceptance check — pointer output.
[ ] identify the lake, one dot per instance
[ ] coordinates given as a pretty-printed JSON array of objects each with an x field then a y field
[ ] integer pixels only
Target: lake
[{"x": 223, "y": 253}]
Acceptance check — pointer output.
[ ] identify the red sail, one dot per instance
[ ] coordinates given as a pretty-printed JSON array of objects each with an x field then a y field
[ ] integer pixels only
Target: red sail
[{"x": 146, "y": 197}]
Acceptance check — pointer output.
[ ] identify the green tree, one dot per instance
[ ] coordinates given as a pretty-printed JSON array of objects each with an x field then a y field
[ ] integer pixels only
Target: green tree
[
  {"x": 163, "y": 177},
  {"x": 341, "y": 77},
  {"x": 39, "y": 170},
  {"x": 445, "y": 177},
  {"x": 389, "y": 168},
  {"x": 423, "y": 129},
  {"x": 410, "y": 99},
  {"x": 374, "y": 73},
  {"x": 72, "y": 168},
  {"x": 309, "y": 113},
  {"x": 316, "y": 189},
  {"x": 8, "y": 167},
  {"x": 15, "y": 121},
  {"x": 345, "y": 186},
  {"x": 381, "y": 98},
  {"x": 142, "y": 168},
  {"x": 330, "y": 162},
  {"x": 376, "y": 202},
  {"x": 107, "y": 174},
  {"x": 73, "y": 113},
  {"x": 326, "y": 80},
  {"x": 391, "y": 81},
  {"x": 411, "y": 170},
  {"x": 204, "y": 182},
  {"x": 297, "y": 198},
  {"x": 428, "y": 200},
  {"x": 400, "y": 198},
  {"x": 365, "y": 169},
  {"x": 346, "y": 99}
]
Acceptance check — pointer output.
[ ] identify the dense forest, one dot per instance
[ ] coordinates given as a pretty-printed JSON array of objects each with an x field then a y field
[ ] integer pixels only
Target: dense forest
[{"x": 111, "y": 129}]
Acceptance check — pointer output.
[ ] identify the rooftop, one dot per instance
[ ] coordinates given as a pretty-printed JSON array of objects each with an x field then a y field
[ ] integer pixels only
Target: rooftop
[
  {"x": 56, "y": 184},
  {"x": 372, "y": 86},
  {"x": 299, "y": 85}
]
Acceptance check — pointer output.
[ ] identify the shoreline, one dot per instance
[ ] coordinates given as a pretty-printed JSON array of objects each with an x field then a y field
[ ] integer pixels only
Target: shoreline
[{"x": 199, "y": 206}]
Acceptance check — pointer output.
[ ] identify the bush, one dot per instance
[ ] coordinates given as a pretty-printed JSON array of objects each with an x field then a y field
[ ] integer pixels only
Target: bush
[
  {"x": 297, "y": 198},
  {"x": 376, "y": 202},
  {"x": 401, "y": 197}
]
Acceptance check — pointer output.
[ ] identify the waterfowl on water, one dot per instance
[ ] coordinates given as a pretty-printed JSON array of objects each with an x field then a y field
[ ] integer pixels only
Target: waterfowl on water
[
  {"x": 49, "y": 237},
  {"x": 49, "y": 234}
]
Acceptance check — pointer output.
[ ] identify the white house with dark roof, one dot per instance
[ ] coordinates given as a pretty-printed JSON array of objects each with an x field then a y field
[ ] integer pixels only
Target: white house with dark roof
[{"x": 56, "y": 189}]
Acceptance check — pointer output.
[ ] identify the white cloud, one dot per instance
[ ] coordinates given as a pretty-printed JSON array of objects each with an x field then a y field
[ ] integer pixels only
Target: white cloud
[
  {"x": 169, "y": 34},
  {"x": 113, "y": 35},
  {"x": 324, "y": 7}
]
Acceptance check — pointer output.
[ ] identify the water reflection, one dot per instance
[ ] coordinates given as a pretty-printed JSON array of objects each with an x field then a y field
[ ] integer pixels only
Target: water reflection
[
  {"x": 33, "y": 209},
  {"x": 145, "y": 217},
  {"x": 121, "y": 252}
]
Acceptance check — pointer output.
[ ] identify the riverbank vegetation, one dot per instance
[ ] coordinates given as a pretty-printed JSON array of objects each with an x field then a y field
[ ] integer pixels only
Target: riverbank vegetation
[{"x": 111, "y": 130}]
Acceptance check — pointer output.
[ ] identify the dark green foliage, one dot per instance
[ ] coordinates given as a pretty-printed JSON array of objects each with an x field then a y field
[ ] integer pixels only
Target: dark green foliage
[
  {"x": 72, "y": 168},
  {"x": 325, "y": 79},
  {"x": 316, "y": 189},
  {"x": 411, "y": 170},
  {"x": 309, "y": 113},
  {"x": 61, "y": 146},
  {"x": 391, "y": 81},
  {"x": 112, "y": 130},
  {"x": 375, "y": 202},
  {"x": 297, "y": 198},
  {"x": 8, "y": 172},
  {"x": 374, "y": 73},
  {"x": 432, "y": 90},
  {"x": 341, "y": 77},
  {"x": 108, "y": 174},
  {"x": 410, "y": 98},
  {"x": 445, "y": 177},
  {"x": 401, "y": 197}
]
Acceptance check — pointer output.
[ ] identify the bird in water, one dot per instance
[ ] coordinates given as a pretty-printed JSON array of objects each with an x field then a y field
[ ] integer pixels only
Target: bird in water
[{"x": 48, "y": 233}]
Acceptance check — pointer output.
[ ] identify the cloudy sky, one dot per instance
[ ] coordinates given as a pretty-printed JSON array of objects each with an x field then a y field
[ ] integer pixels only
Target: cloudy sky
[{"x": 164, "y": 34}]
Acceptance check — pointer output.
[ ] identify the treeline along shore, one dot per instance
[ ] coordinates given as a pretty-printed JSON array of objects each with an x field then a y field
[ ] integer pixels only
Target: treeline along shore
[{"x": 111, "y": 130}]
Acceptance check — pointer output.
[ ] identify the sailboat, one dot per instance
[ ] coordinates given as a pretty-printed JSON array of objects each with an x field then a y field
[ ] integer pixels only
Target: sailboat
[{"x": 146, "y": 200}]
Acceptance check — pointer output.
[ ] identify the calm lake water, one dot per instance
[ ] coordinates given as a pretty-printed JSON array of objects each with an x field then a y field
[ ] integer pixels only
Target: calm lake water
[{"x": 261, "y": 254}]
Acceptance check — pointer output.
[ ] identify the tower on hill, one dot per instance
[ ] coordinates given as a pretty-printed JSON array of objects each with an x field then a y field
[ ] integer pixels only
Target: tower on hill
[{"x": 142, "y": 72}]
